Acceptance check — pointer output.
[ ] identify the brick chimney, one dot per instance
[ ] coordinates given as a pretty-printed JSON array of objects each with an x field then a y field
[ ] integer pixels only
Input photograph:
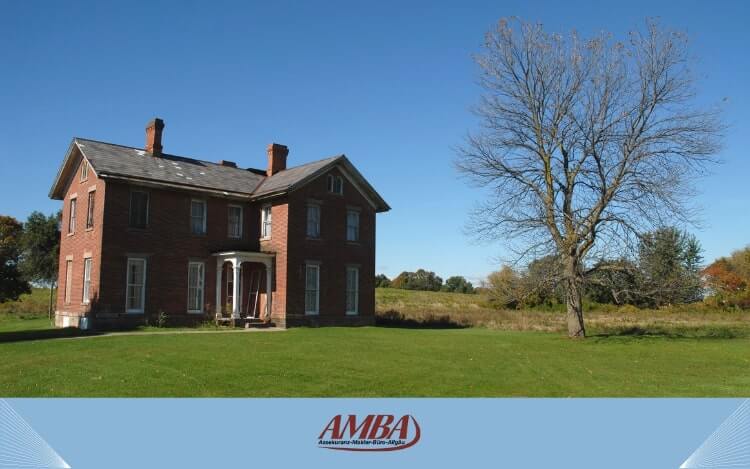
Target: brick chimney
[
  {"x": 153, "y": 136},
  {"x": 276, "y": 158}
]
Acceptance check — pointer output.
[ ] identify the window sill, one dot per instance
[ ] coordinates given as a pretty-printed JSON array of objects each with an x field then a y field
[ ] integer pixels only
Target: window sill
[
  {"x": 90, "y": 229},
  {"x": 195, "y": 312},
  {"x": 353, "y": 243},
  {"x": 309, "y": 238},
  {"x": 133, "y": 312},
  {"x": 236, "y": 238},
  {"x": 312, "y": 314},
  {"x": 267, "y": 238},
  {"x": 71, "y": 234},
  {"x": 138, "y": 229},
  {"x": 348, "y": 313}
]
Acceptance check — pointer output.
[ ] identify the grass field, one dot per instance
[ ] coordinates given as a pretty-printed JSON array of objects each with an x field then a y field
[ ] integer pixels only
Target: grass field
[{"x": 408, "y": 359}]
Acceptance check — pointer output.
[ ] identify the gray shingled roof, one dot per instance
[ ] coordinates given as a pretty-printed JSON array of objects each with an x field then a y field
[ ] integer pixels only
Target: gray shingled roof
[
  {"x": 110, "y": 159},
  {"x": 286, "y": 179}
]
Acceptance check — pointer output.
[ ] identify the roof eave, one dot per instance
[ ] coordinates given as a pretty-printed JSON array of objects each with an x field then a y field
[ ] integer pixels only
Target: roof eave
[
  {"x": 55, "y": 192},
  {"x": 186, "y": 187}
]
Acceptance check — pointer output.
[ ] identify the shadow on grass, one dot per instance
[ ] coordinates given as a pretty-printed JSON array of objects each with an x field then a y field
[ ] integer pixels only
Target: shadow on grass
[
  {"x": 43, "y": 334},
  {"x": 393, "y": 318},
  {"x": 674, "y": 333}
]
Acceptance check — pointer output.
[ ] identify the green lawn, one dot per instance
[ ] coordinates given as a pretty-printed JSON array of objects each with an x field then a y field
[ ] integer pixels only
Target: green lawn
[{"x": 373, "y": 361}]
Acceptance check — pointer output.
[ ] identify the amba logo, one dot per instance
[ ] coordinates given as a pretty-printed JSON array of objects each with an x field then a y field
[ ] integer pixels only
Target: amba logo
[{"x": 381, "y": 432}]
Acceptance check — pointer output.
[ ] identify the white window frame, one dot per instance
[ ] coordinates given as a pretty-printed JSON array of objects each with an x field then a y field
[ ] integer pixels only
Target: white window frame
[
  {"x": 84, "y": 171},
  {"x": 355, "y": 311},
  {"x": 142, "y": 307},
  {"x": 205, "y": 215},
  {"x": 68, "y": 281},
  {"x": 72, "y": 214},
  {"x": 200, "y": 287},
  {"x": 87, "y": 266},
  {"x": 266, "y": 222},
  {"x": 355, "y": 227},
  {"x": 316, "y": 268},
  {"x": 239, "y": 221},
  {"x": 313, "y": 207},
  {"x": 130, "y": 208}
]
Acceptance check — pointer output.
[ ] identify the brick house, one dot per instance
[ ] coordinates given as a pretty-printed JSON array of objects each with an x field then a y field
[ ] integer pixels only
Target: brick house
[{"x": 145, "y": 233}]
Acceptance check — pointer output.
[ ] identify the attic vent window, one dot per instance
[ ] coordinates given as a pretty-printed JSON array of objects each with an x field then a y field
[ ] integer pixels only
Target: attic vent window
[
  {"x": 335, "y": 184},
  {"x": 84, "y": 170}
]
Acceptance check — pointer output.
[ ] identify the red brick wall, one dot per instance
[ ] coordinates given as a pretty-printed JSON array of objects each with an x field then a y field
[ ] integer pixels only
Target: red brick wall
[
  {"x": 83, "y": 242},
  {"x": 333, "y": 253},
  {"x": 168, "y": 245},
  {"x": 277, "y": 244}
]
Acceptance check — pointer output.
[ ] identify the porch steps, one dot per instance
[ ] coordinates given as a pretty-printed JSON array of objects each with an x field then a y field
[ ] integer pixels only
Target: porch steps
[{"x": 255, "y": 323}]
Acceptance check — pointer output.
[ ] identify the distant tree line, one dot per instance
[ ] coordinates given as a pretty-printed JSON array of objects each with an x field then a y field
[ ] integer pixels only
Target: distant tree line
[
  {"x": 665, "y": 270},
  {"x": 426, "y": 281},
  {"x": 28, "y": 255}
]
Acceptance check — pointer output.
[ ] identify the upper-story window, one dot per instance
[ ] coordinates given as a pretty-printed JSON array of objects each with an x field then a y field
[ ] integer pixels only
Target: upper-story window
[
  {"x": 72, "y": 216},
  {"x": 139, "y": 207},
  {"x": 234, "y": 215},
  {"x": 265, "y": 221},
  {"x": 352, "y": 225},
  {"x": 313, "y": 221},
  {"x": 335, "y": 184},
  {"x": 90, "y": 210},
  {"x": 198, "y": 216},
  {"x": 84, "y": 170}
]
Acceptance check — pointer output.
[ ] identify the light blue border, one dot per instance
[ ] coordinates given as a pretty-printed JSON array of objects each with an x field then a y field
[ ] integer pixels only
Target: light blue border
[{"x": 456, "y": 433}]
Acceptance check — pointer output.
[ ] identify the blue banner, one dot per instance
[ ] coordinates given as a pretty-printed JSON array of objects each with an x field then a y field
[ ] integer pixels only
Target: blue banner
[{"x": 331, "y": 433}]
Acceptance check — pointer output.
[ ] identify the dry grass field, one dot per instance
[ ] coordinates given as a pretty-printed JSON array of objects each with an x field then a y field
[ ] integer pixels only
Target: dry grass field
[{"x": 438, "y": 309}]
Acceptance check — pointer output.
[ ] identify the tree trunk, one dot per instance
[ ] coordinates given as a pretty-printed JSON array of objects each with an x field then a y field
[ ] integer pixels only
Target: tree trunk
[
  {"x": 49, "y": 307},
  {"x": 573, "y": 300}
]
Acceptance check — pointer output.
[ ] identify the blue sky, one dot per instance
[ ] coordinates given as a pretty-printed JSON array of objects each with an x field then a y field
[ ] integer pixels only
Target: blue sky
[{"x": 388, "y": 83}]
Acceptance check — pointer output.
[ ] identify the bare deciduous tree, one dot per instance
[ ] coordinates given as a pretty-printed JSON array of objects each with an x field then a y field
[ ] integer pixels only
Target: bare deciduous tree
[{"x": 583, "y": 144}]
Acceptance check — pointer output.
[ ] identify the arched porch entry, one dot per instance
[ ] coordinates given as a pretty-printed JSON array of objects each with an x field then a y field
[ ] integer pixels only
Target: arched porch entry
[{"x": 243, "y": 284}]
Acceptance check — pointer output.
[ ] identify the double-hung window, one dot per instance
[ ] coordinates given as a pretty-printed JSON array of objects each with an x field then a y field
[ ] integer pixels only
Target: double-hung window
[
  {"x": 198, "y": 216},
  {"x": 313, "y": 221},
  {"x": 352, "y": 225},
  {"x": 68, "y": 281},
  {"x": 139, "y": 207},
  {"x": 87, "y": 280},
  {"x": 90, "y": 210},
  {"x": 135, "y": 287},
  {"x": 196, "y": 278},
  {"x": 234, "y": 214},
  {"x": 352, "y": 290},
  {"x": 312, "y": 288},
  {"x": 72, "y": 216},
  {"x": 265, "y": 221}
]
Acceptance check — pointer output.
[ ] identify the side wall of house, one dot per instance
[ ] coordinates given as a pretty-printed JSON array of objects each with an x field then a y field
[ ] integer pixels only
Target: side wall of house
[
  {"x": 278, "y": 245},
  {"x": 79, "y": 243},
  {"x": 332, "y": 252},
  {"x": 168, "y": 245}
]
